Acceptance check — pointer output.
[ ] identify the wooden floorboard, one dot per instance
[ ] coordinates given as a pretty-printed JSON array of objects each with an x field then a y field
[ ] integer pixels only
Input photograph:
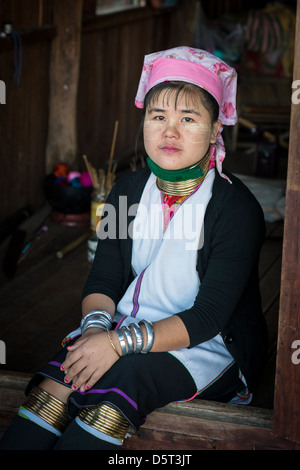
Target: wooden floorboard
[{"x": 43, "y": 301}]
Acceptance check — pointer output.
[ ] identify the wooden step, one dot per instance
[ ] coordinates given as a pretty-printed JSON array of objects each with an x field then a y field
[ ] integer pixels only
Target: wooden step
[{"x": 197, "y": 424}]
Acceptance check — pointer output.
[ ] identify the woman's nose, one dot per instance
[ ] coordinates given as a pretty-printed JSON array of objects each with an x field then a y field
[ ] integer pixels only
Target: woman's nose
[{"x": 171, "y": 129}]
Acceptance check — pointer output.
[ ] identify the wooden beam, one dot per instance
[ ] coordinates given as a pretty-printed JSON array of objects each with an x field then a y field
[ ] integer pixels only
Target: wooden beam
[
  {"x": 118, "y": 18},
  {"x": 287, "y": 383},
  {"x": 64, "y": 72},
  {"x": 193, "y": 425},
  {"x": 206, "y": 425}
]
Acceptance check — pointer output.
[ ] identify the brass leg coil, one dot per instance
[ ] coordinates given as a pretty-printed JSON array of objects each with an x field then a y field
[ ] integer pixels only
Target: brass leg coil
[
  {"x": 106, "y": 419},
  {"x": 48, "y": 408}
]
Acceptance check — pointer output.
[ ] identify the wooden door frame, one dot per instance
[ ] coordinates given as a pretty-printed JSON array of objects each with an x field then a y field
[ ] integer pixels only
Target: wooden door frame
[{"x": 286, "y": 420}]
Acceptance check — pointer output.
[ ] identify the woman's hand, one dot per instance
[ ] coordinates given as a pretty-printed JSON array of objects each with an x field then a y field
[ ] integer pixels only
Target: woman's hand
[
  {"x": 88, "y": 359},
  {"x": 92, "y": 355}
]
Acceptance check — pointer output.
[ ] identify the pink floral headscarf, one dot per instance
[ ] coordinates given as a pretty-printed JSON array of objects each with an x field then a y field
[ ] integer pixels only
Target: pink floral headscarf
[{"x": 202, "y": 69}]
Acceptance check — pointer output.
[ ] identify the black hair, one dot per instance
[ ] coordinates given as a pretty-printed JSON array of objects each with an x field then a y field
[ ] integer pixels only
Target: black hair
[{"x": 189, "y": 90}]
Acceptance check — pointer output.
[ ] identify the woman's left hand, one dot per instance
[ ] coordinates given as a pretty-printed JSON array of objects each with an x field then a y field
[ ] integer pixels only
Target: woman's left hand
[{"x": 88, "y": 359}]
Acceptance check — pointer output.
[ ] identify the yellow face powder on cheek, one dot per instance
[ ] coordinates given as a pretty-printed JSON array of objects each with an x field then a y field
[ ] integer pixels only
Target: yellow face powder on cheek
[{"x": 198, "y": 133}]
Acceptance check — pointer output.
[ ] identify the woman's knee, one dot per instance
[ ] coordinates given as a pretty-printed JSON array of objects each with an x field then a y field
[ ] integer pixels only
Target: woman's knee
[{"x": 59, "y": 391}]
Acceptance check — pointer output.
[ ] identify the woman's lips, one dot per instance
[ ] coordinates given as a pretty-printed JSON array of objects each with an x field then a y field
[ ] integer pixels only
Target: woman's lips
[{"x": 170, "y": 149}]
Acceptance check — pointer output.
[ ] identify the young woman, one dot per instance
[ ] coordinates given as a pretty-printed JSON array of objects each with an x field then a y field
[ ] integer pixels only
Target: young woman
[{"x": 171, "y": 308}]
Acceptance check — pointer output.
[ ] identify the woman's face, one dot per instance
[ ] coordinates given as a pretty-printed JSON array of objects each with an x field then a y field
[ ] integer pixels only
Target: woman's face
[{"x": 178, "y": 132}]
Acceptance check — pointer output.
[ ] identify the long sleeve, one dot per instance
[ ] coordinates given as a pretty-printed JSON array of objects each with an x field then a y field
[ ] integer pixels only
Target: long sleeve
[{"x": 227, "y": 264}]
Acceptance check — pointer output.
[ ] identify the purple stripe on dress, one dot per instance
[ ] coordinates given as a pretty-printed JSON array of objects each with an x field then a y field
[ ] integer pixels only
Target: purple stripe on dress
[
  {"x": 136, "y": 294},
  {"x": 105, "y": 390},
  {"x": 54, "y": 363},
  {"x": 54, "y": 378},
  {"x": 120, "y": 322}
]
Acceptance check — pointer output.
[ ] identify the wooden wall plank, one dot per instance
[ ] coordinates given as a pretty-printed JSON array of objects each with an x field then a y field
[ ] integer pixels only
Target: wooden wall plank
[
  {"x": 64, "y": 72},
  {"x": 287, "y": 382},
  {"x": 111, "y": 63},
  {"x": 23, "y": 127},
  {"x": 111, "y": 58}
]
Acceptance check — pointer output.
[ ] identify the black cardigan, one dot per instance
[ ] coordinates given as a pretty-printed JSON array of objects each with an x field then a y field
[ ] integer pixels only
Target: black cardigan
[{"x": 228, "y": 301}]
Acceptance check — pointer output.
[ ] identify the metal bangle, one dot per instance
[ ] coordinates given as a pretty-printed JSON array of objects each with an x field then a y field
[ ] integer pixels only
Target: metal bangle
[
  {"x": 129, "y": 339},
  {"x": 150, "y": 335},
  {"x": 122, "y": 342},
  {"x": 138, "y": 336},
  {"x": 99, "y": 319},
  {"x": 93, "y": 324},
  {"x": 90, "y": 323},
  {"x": 97, "y": 313}
]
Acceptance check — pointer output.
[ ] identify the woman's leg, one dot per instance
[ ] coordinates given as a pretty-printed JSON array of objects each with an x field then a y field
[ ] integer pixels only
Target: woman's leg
[
  {"x": 40, "y": 421},
  {"x": 225, "y": 387},
  {"x": 97, "y": 428},
  {"x": 125, "y": 395},
  {"x": 61, "y": 392},
  {"x": 131, "y": 389},
  {"x": 23, "y": 434}
]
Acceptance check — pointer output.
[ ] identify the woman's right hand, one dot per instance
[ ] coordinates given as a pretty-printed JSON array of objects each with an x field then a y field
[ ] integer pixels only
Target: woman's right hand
[{"x": 88, "y": 359}]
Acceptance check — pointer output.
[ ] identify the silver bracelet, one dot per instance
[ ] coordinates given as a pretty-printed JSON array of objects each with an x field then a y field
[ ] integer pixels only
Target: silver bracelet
[
  {"x": 150, "y": 335},
  {"x": 139, "y": 338},
  {"x": 98, "y": 318},
  {"x": 95, "y": 319},
  {"x": 94, "y": 324},
  {"x": 122, "y": 342},
  {"x": 125, "y": 336},
  {"x": 98, "y": 312},
  {"x": 129, "y": 339}
]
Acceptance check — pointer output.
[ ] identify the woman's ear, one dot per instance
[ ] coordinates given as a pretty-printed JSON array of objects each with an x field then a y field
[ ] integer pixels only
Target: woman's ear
[{"x": 215, "y": 131}]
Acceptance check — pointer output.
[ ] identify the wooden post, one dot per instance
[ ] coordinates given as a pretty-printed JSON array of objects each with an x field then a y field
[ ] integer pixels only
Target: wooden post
[
  {"x": 286, "y": 421},
  {"x": 64, "y": 72}
]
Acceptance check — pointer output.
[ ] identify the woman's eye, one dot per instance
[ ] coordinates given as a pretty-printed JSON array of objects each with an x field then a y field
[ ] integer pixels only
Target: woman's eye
[
  {"x": 159, "y": 118},
  {"x": 188, "y": 119}
]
